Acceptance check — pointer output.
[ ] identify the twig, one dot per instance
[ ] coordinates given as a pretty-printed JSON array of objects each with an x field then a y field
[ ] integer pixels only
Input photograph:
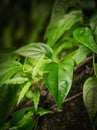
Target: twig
[
  {"x": 73, "y": 97},
  {"x": 82, "y": 64},
  {"x": 68, "y": 99}
]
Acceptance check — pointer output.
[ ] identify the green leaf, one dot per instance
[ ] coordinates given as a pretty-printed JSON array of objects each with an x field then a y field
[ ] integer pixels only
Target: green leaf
[
  {"x": 78, "y": 55},
  {"x": 35, "y": 50},
  {"x": 35, "y": 97},
  {"x": 84, "y": 36},
  {"x": 8, "y": 69},
  {"x": 39, "y": 64},
  {"x": 23, "y": 91},
  {"x": 81, "y": 54},
  {"x": 90, "y": 96},
  {"x": 58, "y": 78},
  {"x": 57, "y": 29},
  {"x": 42, "y": 111},
  {"x": 22, "y": 119},
  {"x": 8, "y": 97},
  {"x": 16, "y": 80},
  {"x": 18, "y": 115}
]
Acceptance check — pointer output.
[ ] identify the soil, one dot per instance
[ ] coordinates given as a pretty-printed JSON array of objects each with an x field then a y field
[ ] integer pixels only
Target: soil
[{"x": 73, "y": 114}]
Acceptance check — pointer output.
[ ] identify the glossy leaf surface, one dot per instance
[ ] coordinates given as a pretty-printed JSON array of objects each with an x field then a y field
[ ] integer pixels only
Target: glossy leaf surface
[
  {"x": 84, "y": 35},
  {"x": 58, "y": 78},
  {"x": 35, "y": 50}
]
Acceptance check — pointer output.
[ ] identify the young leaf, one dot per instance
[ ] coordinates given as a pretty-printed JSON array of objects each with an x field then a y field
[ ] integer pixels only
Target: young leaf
[
  {"x": 42, "y": 111},
  {"x": 57, "y": 29},
  {"x": 16, "y": 80},
  {"x": 90, "y": 96},
  {"x": 58, "y": 78},
  {"x": 35, "y": 97},
  {"x": 84, "y": 36},
  {"x": 23, "y": 91},
  {"x": 35, "y": 50},
  {"x": 8, "y": 69}
]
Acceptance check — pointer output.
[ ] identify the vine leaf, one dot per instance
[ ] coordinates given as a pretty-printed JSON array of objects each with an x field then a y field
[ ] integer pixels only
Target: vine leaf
[
  {"x": 35, "y": 50},
  {"x": 16, "y": 80},
  {"x": 58, "y": 78},
  {"x": 23, "y": 91},
  {"x": 90, "y": 96},
  {"x": 84, "y": 36}
]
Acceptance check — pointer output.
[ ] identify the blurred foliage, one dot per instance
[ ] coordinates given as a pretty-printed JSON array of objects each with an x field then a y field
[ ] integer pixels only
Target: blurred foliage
[{"x": 23, "y": 21}]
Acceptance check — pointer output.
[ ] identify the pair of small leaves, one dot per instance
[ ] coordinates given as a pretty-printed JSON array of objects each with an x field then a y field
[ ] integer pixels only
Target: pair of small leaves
[
  {"x": 58, "y": 78},
  {"x": 23, "y": 118},
  {"x": 35, "y": 96},
  {"x": 35, "y": 50},
  {"x": 90, "y": 96}
]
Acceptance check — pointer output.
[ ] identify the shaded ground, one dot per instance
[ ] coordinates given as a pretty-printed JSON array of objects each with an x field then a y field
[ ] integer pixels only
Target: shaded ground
[{"x": 73, "y": 115}]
